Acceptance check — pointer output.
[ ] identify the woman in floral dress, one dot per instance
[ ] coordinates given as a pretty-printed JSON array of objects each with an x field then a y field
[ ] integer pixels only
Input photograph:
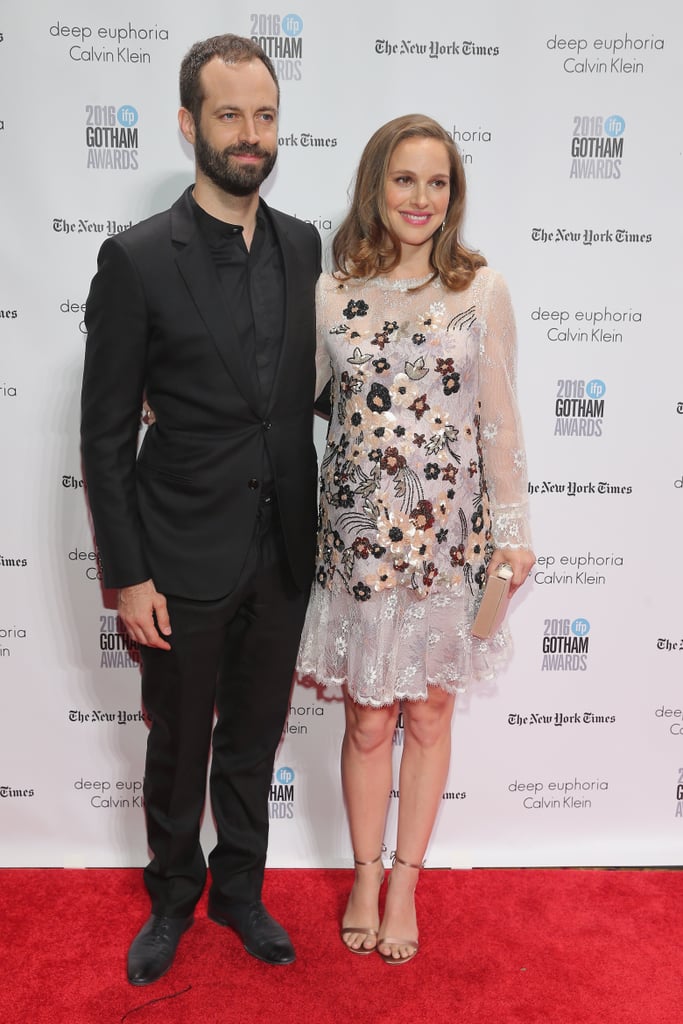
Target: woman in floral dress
[{"x": 423, "y": 491}]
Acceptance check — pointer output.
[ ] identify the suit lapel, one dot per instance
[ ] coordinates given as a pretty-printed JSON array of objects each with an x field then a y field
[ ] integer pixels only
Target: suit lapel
[
  {"x": 290, "y": 261},
  {"x": 197, "y": 270}
]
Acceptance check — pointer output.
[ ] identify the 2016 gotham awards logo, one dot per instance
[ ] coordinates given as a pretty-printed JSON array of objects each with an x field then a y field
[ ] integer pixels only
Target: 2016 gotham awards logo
[
  {"x": 597, "y": 147},
  {"x": 565, "y": 645},
  {"x": 281, "y": 796},
  {"x": 579, "y": 408},
  {"x": 117, "y": 647},
  {"x": 111, "y": 137},
  {"x": 279, "y": 36}
]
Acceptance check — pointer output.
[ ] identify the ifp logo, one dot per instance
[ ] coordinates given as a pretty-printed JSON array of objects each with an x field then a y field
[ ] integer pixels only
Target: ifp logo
[
  {"x": 596, "y": 388},
  {"x": 614, "y": 126},
  {"x": 127, "y": 116},
  {"x": 292, "y": 24},
  {"x": 281, "y": 797}
]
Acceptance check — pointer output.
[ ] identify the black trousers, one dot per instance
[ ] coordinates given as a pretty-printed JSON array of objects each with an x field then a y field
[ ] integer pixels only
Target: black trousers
[{"x": 236, "y": 656}]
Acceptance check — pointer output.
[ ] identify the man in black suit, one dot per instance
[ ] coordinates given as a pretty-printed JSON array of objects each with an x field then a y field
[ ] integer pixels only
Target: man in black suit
[{"x": 208, "y": 310}]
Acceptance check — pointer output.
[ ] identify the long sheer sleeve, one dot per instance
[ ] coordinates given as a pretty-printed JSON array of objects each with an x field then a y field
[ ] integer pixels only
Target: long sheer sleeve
[{"x": 501, "y": 428}]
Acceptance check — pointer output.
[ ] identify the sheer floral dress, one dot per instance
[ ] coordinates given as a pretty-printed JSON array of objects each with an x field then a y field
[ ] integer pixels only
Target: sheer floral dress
[{"x": 423, "y": 475}]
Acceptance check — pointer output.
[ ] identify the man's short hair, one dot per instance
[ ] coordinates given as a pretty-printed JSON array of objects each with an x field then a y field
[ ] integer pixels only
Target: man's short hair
[{"x": 232, "y": 50}]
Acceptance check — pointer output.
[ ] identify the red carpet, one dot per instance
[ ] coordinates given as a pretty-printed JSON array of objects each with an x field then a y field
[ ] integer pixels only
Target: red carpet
[{"x": 496, "y": 947}]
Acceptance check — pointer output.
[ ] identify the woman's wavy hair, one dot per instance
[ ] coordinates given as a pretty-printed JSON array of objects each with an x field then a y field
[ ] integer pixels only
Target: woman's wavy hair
[{"x": 365, "y": 245}]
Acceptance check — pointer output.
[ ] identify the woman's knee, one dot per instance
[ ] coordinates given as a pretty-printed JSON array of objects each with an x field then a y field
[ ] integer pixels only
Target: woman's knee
[
  {"x": 369, "y": 729},
  {"x": 428, "y": 722}
]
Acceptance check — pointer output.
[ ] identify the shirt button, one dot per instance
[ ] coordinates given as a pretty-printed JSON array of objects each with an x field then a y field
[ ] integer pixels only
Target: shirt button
[
  {"x": 266, "y": 424},
  {"x": 253, "y": 484}
]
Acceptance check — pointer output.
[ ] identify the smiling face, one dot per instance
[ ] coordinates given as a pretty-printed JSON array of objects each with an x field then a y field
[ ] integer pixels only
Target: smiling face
[
  {"x": 235, "y": 141},
  {"x": 417, "y": 191}
]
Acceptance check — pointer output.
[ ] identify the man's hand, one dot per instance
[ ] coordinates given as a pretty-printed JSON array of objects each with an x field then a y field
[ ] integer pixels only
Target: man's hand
[{"x": 139, "y": 606}]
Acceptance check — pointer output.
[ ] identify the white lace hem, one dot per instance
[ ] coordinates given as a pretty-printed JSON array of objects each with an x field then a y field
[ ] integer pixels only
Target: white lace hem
[{"x": 396, "y": 645}]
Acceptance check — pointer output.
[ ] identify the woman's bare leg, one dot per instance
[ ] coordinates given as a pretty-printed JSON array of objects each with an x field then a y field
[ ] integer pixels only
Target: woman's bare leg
[
  {"x": 424, "y": 769},
  {"x": 366, "y": 766}
]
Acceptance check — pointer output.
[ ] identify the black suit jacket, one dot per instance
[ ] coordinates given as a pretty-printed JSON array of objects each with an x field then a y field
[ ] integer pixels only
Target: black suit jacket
[{"x": 183, "y": 512}]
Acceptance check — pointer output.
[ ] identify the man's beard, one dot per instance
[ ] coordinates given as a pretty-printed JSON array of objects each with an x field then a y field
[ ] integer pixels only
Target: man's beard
[{"x": 236, "y": 179}]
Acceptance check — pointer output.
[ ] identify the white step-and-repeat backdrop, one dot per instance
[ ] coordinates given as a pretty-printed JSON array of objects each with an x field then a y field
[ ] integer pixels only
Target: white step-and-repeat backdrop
[{"x": 566, "y": 115}]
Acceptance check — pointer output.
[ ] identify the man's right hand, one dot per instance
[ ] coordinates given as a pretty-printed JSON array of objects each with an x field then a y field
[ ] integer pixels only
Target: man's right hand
[{"x": 138, "y": 606}]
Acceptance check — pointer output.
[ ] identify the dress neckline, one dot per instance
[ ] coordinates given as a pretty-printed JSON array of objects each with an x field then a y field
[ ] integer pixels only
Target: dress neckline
[{"x": 401, "y": 284}]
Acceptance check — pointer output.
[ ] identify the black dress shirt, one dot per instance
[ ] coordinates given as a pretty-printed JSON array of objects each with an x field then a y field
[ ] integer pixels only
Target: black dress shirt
[
  {"x": 253, "y": 283},
  {"x": 254, "y": 287}
]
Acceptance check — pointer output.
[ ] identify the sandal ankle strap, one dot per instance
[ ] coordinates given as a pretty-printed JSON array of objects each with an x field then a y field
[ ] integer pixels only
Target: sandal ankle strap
[
  {"x": 364, "y": 863},
  {"x": 395, "y": 859}
]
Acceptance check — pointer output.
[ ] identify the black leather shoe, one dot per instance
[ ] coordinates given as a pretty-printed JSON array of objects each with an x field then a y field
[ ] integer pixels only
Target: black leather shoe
[
  {"x": 262, "y": 936},
  {"x": 153, "y": 948}
]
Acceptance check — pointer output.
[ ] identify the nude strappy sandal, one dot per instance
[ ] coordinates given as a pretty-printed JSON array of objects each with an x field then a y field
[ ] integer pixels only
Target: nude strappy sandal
[
  {"x": 386, "y": 940},
  {"x": 367, "y": 933}
]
